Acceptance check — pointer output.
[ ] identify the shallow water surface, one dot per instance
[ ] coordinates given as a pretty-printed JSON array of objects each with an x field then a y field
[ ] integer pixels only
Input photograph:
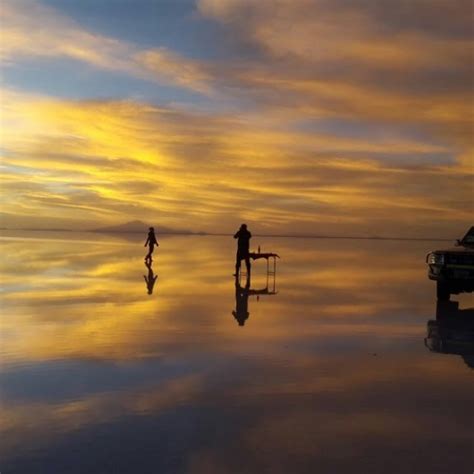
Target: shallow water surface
[{"x": 108, "y": 366}]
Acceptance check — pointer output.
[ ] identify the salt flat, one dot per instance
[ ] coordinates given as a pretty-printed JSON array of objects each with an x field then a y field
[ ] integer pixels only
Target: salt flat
[{"x": 110, "y": 366}]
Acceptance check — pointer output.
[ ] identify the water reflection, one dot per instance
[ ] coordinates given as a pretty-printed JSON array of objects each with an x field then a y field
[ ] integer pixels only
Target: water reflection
[
  {"x": 98, "y": 377},
  {"x": 242, "y": 293},
  {"x": 241, "y": 301},
  {"x": 452, "y": 332},
  {"x": 151, "y": 278}
]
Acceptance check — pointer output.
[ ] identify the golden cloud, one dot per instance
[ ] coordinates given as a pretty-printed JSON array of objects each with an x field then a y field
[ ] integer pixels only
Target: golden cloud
[{"x": 111, "y": 158}]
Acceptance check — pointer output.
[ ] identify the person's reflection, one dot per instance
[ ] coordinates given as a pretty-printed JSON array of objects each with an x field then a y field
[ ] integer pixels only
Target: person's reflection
[
  {"x": 241, "y": 313},
  {"x": 151, "y": 278},
  {"x": 452, "y": 332}
]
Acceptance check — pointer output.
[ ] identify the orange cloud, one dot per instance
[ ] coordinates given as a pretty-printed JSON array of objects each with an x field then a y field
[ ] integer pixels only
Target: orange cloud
[{"x": 112, "y": 158}]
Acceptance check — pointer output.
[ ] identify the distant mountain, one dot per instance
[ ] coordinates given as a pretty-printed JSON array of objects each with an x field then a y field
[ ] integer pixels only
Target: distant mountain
[{"x": 135, "y": 227}]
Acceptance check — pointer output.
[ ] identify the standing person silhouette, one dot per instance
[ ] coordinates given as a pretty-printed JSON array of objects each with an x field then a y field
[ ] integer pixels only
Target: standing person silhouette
[
  {"x": 151, "y": 242},
  {"x": 243, "y": 244}
]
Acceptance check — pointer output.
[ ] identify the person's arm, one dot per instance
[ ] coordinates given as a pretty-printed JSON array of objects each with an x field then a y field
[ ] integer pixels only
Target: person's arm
[
  {"x": 236, "y": 235},
  {"x": 147, "y": 240},
  {"x": 250, "y": 235}
]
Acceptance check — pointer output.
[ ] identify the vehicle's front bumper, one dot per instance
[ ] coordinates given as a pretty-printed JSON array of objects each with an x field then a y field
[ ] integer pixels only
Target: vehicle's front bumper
[
  {"x": 451, "y": 273},
  {"x": 456, "y": 279}
]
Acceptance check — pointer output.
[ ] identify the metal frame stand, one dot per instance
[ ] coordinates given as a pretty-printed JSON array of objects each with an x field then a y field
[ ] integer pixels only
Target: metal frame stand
[{"x": 270, "y": 272}]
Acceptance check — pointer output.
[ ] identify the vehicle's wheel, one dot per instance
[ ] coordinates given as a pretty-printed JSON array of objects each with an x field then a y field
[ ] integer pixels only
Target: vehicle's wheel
[{"x": 442, "y": 291}]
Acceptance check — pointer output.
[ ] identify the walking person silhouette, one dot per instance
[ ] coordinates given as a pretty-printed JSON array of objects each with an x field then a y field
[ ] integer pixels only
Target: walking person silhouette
[
  {"x": 151, "y": 242},
  {"x": 243, "y": 244}
]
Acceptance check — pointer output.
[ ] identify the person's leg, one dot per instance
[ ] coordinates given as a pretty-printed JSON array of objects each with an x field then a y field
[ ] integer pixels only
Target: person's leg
[
  {"x": 150, "y": 251},
  {"x": 237, "y": 264},
  {"x": 247, "y": 264}
]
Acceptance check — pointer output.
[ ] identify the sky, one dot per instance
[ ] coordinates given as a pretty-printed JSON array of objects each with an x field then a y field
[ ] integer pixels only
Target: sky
[{"x": 349, "y": 117}]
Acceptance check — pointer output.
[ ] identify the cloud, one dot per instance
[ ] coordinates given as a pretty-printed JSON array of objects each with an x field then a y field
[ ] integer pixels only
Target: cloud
[
  {"x": 357, "y": 59},
  {"x": 111, "y": 158},
  {"x": 408, "y": 35},
  {"x": 188, "y": 73},
  {"x": 264, "y": 158},
  {"x": 61, "y": 37}
]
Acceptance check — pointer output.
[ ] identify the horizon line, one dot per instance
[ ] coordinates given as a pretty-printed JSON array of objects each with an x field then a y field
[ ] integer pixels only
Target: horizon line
[{"x": 223, "y": 234}]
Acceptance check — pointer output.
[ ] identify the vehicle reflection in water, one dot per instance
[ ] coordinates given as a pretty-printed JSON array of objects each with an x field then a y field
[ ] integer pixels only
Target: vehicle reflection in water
[
  {"x": 452, "y": 332},
  {"x": 242, "y": 294},
  {"x": 151, "y": 278}
]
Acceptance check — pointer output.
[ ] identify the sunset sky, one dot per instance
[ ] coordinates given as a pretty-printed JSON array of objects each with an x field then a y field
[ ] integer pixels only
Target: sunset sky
[{"x": 295, "y": 116}]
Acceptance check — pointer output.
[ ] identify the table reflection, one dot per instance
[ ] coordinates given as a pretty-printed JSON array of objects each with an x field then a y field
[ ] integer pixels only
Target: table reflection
[{"x": 242, "y": 293}]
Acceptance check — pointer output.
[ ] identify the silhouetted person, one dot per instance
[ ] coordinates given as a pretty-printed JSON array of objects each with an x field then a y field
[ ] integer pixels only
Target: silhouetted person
[
  {"x": 243, "y": 245},
  {"x": 151, "y": 278},
  {"x": 151, "y": 242},
  {"x": 241, "y": 312}
]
